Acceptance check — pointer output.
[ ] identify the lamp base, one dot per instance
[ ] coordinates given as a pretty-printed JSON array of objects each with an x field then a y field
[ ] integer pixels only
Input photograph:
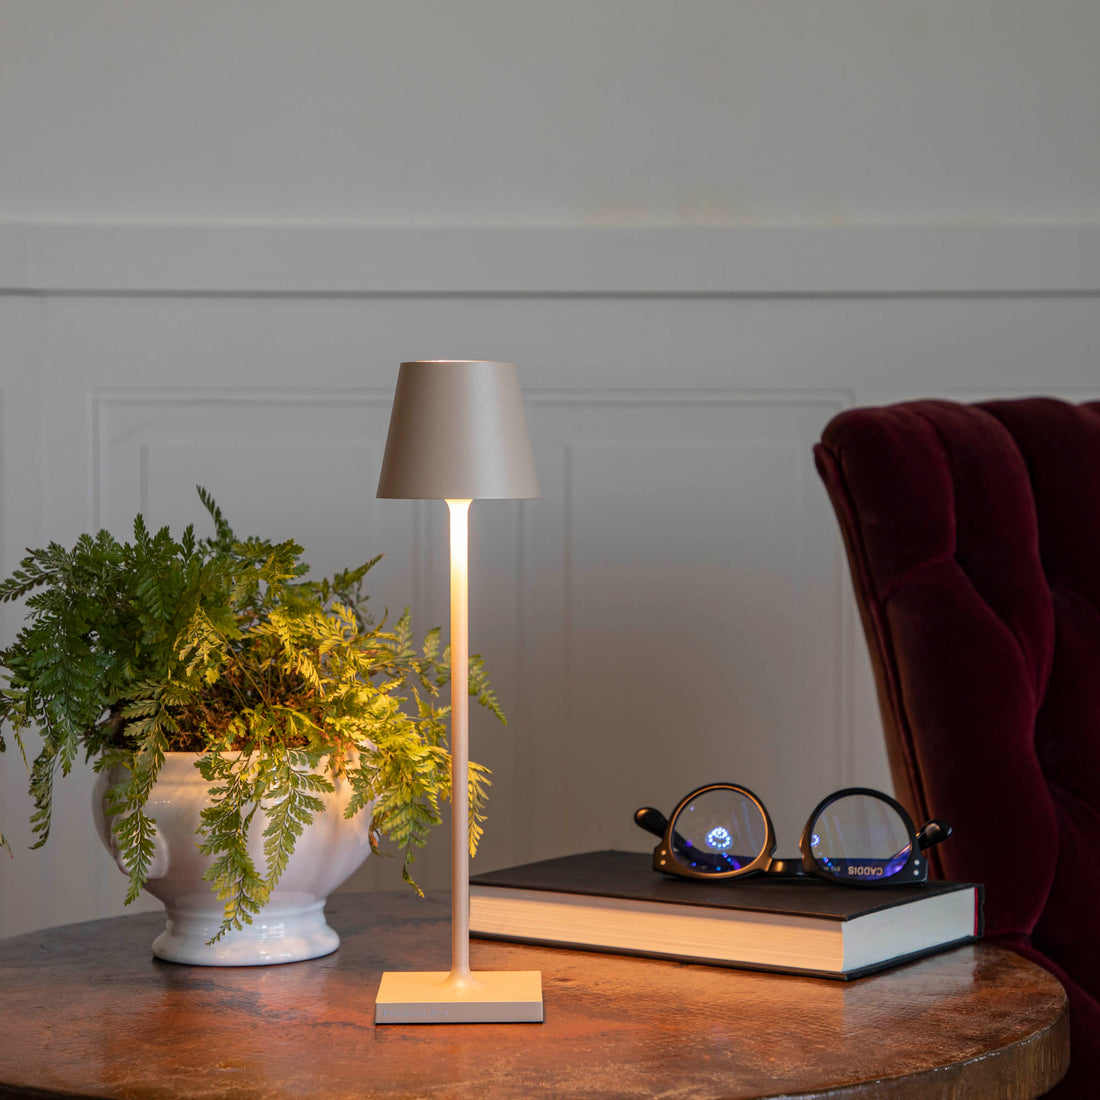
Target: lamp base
[{"x": 438, "y": 997}]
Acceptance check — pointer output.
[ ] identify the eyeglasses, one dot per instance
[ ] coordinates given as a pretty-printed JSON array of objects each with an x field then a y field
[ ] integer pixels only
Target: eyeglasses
[{"x": 857, "y": 836}]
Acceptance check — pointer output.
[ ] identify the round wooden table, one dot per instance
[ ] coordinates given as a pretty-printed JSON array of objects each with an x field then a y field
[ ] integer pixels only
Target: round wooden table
[{"x": 86, "y": 1011}]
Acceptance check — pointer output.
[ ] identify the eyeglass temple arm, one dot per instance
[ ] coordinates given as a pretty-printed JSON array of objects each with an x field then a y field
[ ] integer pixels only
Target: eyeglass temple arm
[
  {"x": 653, "y": 821},
  {"x": 933, "y": 832}
]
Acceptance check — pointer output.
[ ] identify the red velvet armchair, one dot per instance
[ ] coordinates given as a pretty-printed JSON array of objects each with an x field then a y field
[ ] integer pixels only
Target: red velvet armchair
[{"x": 973, "y": 537}]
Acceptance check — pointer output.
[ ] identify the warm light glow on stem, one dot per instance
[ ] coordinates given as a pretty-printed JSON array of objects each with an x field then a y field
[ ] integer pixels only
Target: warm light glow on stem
[{"x": 460, "y": 749}]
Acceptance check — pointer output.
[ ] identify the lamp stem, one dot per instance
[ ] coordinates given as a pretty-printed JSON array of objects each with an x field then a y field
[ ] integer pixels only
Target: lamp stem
[{"x": 460, "y": 741}]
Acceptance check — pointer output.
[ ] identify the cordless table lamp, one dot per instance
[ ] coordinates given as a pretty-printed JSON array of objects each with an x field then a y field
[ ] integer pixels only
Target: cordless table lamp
[{"x": 458, "y": 433}]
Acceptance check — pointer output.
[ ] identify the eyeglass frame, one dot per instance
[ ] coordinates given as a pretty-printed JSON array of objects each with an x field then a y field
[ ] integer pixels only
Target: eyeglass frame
[{"x": 931, "y": 832}]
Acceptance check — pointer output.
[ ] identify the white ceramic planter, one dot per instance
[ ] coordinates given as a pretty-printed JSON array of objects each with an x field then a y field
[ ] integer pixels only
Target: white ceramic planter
[{"x": 292, "y": 926}]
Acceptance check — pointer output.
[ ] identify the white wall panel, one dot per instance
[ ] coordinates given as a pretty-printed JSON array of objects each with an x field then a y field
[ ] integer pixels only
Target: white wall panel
[
  {"x": 680, "y": 566},
  {"x": 31, "y": 895},
  {"x": 260, "y": 450},
  {"x": 674, "y": 608}
]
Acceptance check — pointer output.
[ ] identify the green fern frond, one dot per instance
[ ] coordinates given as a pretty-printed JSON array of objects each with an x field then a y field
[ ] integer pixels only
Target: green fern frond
[
  {"x": 225, "y": 827},
  {"x": 222, "y": 645},
  {"x": 223, "y": 533},
  {"x": 290, "y": 807}
]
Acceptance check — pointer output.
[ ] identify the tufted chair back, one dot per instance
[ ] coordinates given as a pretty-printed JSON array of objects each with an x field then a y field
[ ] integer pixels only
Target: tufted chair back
[{"x": 973, "y": 537}]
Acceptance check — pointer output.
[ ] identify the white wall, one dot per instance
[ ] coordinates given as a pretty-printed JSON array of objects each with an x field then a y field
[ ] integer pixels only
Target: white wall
[
  {"x": 577, "y": 111},
  {"x": 700, "y": 229}
]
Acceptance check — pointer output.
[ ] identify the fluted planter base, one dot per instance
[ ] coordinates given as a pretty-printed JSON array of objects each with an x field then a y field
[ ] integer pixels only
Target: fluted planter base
[{"x": 290, "y": 935}]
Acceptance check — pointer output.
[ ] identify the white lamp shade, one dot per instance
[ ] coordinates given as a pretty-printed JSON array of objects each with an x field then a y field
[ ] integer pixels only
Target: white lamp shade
[{"x": 458, "y": 432}]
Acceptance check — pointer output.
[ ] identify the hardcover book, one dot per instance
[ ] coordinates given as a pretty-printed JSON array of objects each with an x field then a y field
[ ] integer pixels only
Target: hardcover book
[{"x": 614, "y": 901}]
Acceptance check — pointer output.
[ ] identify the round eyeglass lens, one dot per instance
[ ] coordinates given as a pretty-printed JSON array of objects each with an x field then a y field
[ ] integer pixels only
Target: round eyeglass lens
[
  {"x": 861, "y": 838},
  {"x": 718, "y": 831}
]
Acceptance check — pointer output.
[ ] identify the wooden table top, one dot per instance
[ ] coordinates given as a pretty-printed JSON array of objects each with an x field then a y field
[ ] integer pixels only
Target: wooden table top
[{"x": 86, "y": 1011}]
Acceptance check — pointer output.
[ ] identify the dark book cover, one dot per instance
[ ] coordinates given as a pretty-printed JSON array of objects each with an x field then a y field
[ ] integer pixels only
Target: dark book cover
[{"x": 630, "y": 875}]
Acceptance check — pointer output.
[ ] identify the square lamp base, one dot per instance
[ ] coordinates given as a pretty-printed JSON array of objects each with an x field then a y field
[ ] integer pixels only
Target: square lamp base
[{"x": 486, "y": 997}]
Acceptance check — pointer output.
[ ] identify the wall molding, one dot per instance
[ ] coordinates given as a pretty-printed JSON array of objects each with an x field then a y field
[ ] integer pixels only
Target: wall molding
[{"x": 285, "y": 259}]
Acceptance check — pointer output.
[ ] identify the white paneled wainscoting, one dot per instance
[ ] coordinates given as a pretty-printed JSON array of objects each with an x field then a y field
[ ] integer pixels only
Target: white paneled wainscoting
[{"x": 674, "y": 609}]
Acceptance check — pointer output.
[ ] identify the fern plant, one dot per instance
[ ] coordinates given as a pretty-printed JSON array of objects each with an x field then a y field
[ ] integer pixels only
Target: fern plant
[{"x": 224, "y": 647}]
